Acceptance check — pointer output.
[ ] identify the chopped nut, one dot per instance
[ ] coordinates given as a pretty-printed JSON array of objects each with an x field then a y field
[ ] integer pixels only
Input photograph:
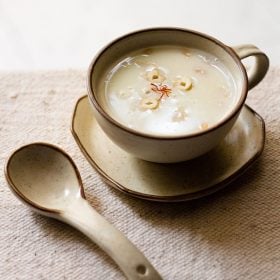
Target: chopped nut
[
  {"x": 155, "y": 76},
  {"x": 149, "y": 103},
  {"x": 183, "y": 84},
  {"x": 204, "y": 126},
  {"x": 186, "y": 52}
]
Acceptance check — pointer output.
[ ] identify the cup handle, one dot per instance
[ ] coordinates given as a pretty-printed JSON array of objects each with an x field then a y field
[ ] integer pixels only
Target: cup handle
[{"x": 260, "y": 66}]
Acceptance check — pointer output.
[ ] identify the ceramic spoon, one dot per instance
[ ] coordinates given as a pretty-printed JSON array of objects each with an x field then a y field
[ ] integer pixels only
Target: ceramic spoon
[{"x": 46, "y": 179}]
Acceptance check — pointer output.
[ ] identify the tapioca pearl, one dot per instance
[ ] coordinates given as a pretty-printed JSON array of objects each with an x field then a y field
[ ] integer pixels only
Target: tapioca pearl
[
  {"x": 124, "y": 94},
  {"x": 181, "y": 114}
]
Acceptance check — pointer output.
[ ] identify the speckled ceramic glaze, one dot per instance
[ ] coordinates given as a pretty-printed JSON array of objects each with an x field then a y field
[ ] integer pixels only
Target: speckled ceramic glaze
[
  {"x": 169, "y": 182},
  {"x": 166, "y": 149},
  {"x": 45, "y": 178}
]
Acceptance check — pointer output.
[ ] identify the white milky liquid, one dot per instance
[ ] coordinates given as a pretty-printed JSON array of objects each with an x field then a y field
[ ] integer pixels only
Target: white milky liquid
[{"x": 201, "y": 91}]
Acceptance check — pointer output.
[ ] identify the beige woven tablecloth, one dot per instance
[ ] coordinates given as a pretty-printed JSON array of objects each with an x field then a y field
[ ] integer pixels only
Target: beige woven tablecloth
[{"x": 234, "y": 234}]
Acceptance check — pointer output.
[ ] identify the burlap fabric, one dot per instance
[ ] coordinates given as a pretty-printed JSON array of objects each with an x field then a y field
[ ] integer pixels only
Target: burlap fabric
[{"x": 234, "y": 234}]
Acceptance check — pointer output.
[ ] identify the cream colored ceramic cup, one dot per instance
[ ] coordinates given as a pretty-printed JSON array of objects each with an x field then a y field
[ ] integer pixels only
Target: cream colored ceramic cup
[{"x": 167, "y": 149}]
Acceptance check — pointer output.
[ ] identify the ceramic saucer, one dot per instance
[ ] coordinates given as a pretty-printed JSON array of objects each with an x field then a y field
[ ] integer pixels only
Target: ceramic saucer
[{"x": 170, "y": 182}]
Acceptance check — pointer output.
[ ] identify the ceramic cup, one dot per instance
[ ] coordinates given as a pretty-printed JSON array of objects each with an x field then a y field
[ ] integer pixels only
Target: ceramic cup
[{"x": 168, "y": 149}]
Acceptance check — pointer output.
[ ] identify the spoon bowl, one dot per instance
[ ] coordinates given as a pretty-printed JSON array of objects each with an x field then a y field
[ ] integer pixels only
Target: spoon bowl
[{"x": 45, "y": 178}]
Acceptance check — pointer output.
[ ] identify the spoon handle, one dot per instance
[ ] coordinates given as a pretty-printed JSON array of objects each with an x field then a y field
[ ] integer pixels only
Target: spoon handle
[{"x": 131, "y": 261}]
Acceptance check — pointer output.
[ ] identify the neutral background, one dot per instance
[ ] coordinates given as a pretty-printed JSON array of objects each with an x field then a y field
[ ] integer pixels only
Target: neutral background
[
  {"x": 234, "y": 234},
  {"x": 37, "y": 34}
]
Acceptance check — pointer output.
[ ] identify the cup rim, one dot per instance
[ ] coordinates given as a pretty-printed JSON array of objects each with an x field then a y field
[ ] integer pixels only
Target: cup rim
[{"x": 229, "y": 50}]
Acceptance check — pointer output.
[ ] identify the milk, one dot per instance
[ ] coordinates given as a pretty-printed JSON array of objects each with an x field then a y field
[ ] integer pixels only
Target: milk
[{"x": 168, "y": 91}]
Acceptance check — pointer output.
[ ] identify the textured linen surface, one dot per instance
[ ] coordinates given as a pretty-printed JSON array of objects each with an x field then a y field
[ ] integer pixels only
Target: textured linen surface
[{"x": 233, "y": 234}]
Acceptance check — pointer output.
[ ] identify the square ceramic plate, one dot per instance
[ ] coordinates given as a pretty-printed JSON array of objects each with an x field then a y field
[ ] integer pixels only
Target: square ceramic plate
[{"x": 170, "y": 182}]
